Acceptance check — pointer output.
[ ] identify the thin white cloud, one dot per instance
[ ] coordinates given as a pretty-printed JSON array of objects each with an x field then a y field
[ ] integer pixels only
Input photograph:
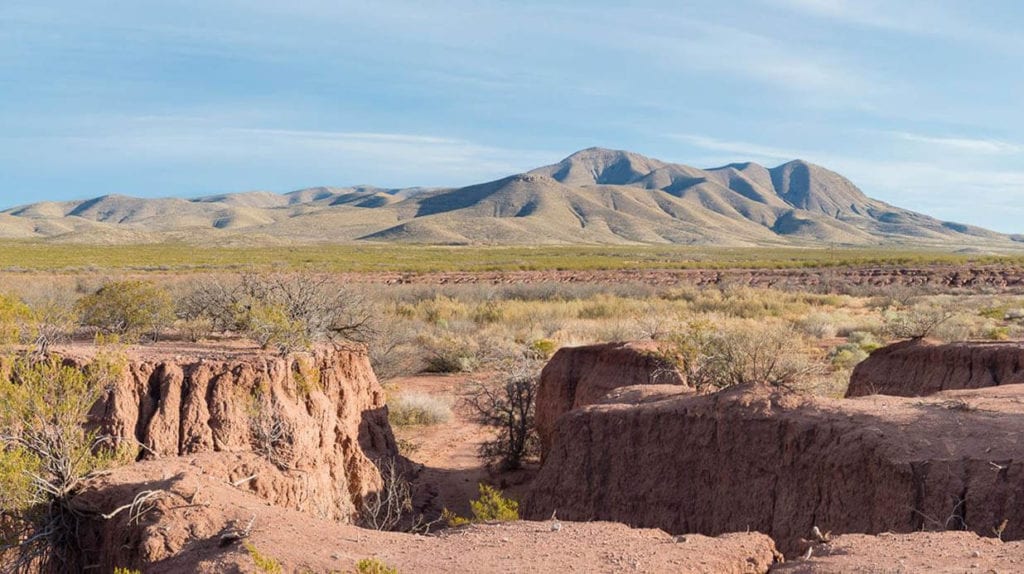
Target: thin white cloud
[
  {"x": 974, "y": 145},
  {"x": 738, "y": 150},
  {"x": 393, "y": 159}
]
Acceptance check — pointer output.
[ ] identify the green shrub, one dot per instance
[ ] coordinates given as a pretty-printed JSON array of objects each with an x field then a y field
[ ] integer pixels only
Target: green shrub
[
  {"x": 45, "y": 454},
  {"x": 127, "y": 308},
  {"x": 491, "y": 506},
  {"x": 846, "y": 356},
  {"x": 543, "y": 348},
  {"x": 374, "y": 566},
  {"x": 15, "y": 321}
]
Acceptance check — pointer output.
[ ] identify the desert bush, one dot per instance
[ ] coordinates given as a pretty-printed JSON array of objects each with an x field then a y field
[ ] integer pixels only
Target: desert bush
[
  {"x": 865, "y": 340},
  {"x": 846, "y": 356},
  {"x": 451, "y": 353},
  {"x": 409, "y": 409},
  {"x": 269, "y": 433},
  {"x": 916, "y": 322},
  {"x": 508, "y": 407},
  {"x": 490, "y": 506},
  {"x": 715, "y": 357},
  {"x": 45, "y": 456},
  {"x": 128, "y": 308},
  {"x": 389, "y": 507},
  {"x": 374, "y": 566},
  {"x": 276, "y": 309},
  {"x": 392, "y": 347},
  {"x": 819, "y": 326},
  {"x": 15, "y": 321},
  {"x": 54, "y": 317}
]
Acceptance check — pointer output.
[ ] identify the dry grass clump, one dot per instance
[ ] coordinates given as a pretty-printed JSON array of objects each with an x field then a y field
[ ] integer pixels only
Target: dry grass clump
[{"x": 412, "y": 408}]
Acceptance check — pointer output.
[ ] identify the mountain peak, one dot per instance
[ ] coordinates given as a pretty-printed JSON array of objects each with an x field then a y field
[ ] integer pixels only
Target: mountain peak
[{"x": 600, "y": 166}]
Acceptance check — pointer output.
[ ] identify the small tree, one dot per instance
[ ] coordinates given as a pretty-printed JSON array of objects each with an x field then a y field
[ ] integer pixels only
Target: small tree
[
  {"x": 127, "y": 308},
  {"x": 509, "y": 408}
]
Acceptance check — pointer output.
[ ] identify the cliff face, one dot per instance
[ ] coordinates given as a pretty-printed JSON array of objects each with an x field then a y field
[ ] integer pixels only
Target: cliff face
[
  {"x": 323, "y": 417},
  {"x": 749, "y": 458},
  {"x": 580, "y": 376},
  {"x": 919, "y": 367}
]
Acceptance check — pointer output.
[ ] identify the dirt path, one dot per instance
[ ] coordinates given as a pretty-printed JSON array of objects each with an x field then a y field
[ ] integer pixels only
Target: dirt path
[{"x": 448, "y": 451}]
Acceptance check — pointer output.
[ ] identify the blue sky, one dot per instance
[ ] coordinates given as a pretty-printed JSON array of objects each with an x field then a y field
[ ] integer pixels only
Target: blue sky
[{"x": 920, "y": 103}]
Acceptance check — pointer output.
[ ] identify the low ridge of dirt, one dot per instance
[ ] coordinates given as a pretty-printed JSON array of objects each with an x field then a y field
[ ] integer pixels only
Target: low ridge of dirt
[
  {"x": 779, "y": 463},
  {"x": 919, "y": 367},
  {"x": 937, "y": 552},
  {"x": 940, "y": 278},
  {"x": 183, "y": 533}
]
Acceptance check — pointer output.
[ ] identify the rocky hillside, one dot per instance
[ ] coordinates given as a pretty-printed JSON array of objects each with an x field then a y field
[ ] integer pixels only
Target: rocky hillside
[{"x": 593, "y": 196}]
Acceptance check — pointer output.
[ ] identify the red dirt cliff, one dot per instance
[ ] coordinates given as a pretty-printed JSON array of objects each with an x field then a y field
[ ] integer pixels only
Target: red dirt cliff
[
  {"x": 749, "y": 458},
  {"x": 331, "y": 418},
  {"x": 580, "y": 376},
  {"x": 918, "y": 368}
]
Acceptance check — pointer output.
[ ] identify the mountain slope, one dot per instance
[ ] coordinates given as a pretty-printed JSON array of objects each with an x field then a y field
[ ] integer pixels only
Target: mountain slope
[{"x": 593, "y": 196}]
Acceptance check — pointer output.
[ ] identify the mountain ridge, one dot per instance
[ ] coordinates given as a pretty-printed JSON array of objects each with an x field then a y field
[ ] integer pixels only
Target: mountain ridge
[{"x": 595, "y": 195}]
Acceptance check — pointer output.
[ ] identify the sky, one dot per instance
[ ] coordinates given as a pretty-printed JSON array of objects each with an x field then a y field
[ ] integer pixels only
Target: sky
[{"x": 919, "y": 102}]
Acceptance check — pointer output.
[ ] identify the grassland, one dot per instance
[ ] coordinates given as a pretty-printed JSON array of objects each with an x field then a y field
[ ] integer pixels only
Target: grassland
[{"x": 42, "y": 256}]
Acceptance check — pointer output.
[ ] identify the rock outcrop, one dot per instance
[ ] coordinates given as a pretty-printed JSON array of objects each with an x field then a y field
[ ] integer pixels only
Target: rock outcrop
[
  {"x": 919, "y": 367},
  {"x": 301, "y": 431},
  {"x": 580, "y": 376},
  {"x": 749, "y": 458}
]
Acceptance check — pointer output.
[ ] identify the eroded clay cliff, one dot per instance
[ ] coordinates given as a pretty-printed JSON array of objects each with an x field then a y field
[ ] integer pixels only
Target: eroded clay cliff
[
  {"x": 324, "y": 410},
  {"x": 919, "y": 367},
  {"x": 580, "y": 376},
  {"x": 750, "y": 458}
]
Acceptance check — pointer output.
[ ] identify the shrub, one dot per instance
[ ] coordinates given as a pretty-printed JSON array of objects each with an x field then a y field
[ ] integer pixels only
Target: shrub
[
  {"x": 409, "y": 409},
  {"x": 865, "y": 340},
  {"x": 491, "y": 506},
  {"x": 15, "y": 321},
  {"x": 451, "y": 354},
  {"x": 387, "y": 508},
  {"x": 509, "y": 408},
  {"x": 916, "y": 322},
  {"x": 819, "y": 326},
  {"x": 374, "y": 566},
  {"x": 127, "y": 308},
  {"x": 846, "y": 356},
  {"x": 543, "y": 348},
  {"x": 45, "y": 453},
  {"x": 713, "y": 357},
  {"x": 287, "y": 310}
]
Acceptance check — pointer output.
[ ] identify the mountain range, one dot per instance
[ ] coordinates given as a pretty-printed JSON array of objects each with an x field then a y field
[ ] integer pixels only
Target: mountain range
[{"x": 593, "y": 196}]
